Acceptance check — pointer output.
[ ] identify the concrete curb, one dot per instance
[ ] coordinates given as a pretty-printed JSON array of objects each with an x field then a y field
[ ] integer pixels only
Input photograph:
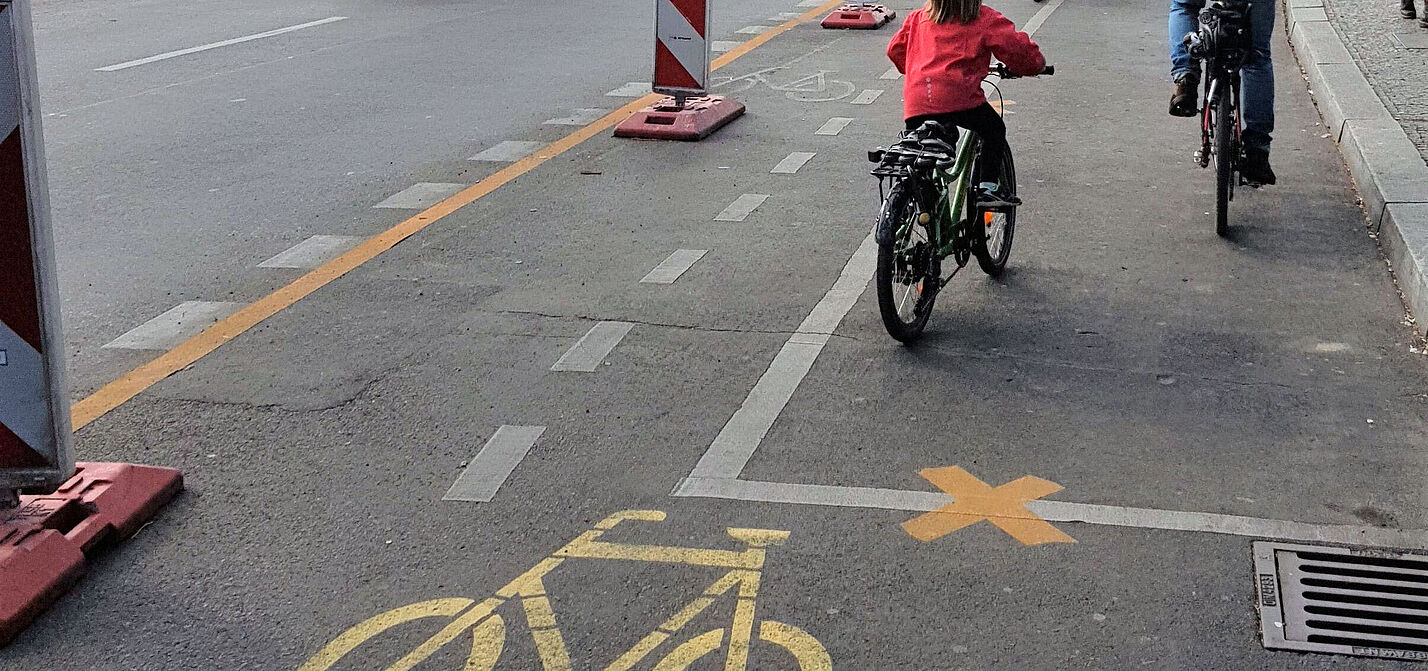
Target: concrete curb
[{"x": 1384, "y": 163}]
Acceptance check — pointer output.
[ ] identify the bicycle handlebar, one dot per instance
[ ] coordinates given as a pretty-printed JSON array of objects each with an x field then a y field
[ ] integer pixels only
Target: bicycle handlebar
[{"x": 1002, "y": 72}]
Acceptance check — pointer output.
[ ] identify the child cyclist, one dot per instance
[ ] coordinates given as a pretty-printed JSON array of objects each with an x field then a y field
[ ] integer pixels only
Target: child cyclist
[{"x": 945, "y": 50}]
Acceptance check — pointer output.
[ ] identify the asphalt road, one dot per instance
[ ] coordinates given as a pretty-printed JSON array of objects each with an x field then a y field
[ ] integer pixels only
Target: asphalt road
[
  {"x": 174, "y": 179},
  {"x": 1188, "y": 394}
]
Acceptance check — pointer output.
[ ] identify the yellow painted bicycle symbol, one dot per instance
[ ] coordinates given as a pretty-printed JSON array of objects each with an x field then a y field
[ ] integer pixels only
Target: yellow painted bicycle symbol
[{"x": 488, "y": 630}]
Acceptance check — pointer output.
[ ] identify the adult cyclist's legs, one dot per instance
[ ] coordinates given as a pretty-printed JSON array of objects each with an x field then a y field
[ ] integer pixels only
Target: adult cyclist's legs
[
  {"x": 1258, "y": 74},
  {"x": 1257, "y": 96},
  {"x": 1184, "y": 19}
]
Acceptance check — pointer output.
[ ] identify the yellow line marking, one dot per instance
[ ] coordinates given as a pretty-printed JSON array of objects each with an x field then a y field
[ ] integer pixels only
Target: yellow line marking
[
  {"x": 488, "y": 640},
  {"x": 136, "y": 381},
  {"x": 691, "y": 651},
  {"x": 371, "y": 627},
  {"x": 811, "y": 654},
  {"x": 975, "y": 501}
]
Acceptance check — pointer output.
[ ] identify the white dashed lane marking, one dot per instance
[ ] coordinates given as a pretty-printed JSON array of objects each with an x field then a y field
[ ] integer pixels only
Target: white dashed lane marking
[
  {"x": 833, "y": 126},
  {"x": 792, "y": 163},
  {"x": 741, "y": 207},
  {"x": 507, "y": 151},
  {"x": 892, "y": 73},
  {"x": 721, "y": 46},
  {"x": 495, "y": 462},
  {"x": 675, "y": 265},
  {"x": 592, "y": 348},
  {"x": 867, "y": 96},
  {"x": 312, "y": 252},
  {"x": 630, "y": 90},
  {"x": 580, "y": 117},
  {"x": 178, "y": 324},
  {"x": 420, "y": 196},
  {"x": 751, "y": 30},
  {"x": 215, "y": 45}
]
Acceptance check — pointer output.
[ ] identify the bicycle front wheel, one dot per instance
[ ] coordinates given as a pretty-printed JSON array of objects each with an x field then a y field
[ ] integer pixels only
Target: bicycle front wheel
[
  {"x": 1224, "y": 150},
  {"x": 992, "y": 238},
  {"x": 906, "y": 287}
]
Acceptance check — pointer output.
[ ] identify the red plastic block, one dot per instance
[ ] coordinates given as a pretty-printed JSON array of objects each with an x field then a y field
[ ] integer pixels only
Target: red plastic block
[
  {"x": 699, "y": 118},
  {"x": 37, "y": 566},
  {"x": 44, "y": 545},
  {"x": 864, "y": 16}
]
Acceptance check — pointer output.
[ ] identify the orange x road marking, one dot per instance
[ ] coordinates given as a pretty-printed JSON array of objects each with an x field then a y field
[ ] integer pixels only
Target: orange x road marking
[{"x": 975, "y": 501}]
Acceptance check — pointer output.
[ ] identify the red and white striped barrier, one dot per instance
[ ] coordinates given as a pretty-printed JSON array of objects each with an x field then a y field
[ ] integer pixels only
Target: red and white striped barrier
[
  {"x": 34, "y": 409},
  {"x": 45, "y": 540},
  {"x": 681, "y": 71}
]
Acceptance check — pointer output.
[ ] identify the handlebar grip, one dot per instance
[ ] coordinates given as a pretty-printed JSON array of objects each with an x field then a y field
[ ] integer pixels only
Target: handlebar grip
[{"x": 1050, "y": 70}]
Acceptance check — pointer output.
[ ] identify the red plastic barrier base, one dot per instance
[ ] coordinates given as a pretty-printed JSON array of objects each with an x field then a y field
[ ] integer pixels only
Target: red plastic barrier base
[
  {"x": 863, "y": 16},
  {"x": 43, "y": 547},
  {"x": 699, "y": 118}
]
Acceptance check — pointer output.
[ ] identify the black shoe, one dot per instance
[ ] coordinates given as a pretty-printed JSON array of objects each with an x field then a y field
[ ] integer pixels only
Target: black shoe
[
  {"x": 1184, "y": 102},
  {"x": 1423, "y": 22},
  {"x": 1255, "y": 169},
  {"x": 1407, "y": 10},
  {"x": 990, "y": 196}
]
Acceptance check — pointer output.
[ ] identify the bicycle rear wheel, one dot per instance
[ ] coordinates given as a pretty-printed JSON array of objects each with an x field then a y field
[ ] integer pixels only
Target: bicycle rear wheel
[
  {"x": 1224, "y": 150},
  {"x": 992, "y": 231},
  {"x": 906, "y": 287}
]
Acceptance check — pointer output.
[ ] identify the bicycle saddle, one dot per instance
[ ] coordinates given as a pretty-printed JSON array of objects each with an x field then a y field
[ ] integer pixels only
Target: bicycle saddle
[{"x": 933, "y": 136}]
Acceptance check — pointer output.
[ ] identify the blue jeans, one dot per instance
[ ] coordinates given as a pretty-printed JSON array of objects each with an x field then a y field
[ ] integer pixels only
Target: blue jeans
[{"x": 1257, "y": 75}]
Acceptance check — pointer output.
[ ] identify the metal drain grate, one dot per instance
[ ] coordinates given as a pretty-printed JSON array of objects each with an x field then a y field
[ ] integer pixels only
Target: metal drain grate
[{"x": 1369, "y": 602}]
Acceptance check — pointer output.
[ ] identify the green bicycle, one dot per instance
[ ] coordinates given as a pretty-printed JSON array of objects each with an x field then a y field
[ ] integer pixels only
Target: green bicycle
[{"x": 931, "y": 212}]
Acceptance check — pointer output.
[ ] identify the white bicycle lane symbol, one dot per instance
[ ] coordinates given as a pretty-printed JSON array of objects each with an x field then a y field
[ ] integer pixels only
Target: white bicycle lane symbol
[{"x": 814, "y": 88}]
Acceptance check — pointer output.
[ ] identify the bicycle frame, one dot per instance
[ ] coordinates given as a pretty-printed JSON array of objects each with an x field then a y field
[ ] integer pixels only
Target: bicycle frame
[
  {"x": 950, "y": 194},
  {"x": 1223, "y": 54}
]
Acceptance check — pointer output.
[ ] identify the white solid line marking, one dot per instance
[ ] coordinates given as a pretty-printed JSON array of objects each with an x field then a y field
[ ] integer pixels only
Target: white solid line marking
[
  {"x": 631, "y": 90},
  {"x": 508, "y": 151},
  {"x": 721, "y": 46},
  {"x": 216, "y": 45},
  {"x": 312, "y": 252},
  {"x": 675, "y": 265},
  {"x": 741, "y": 435},
  {"x": 420, "y": 196},
  {"x": 892, "y": 73},
  {"x": 1040, "y": 17},
  {"x": 751, "y": 30},
  {"x": 580, "y": 117},
  {"x": 494, "y": 464},
  {"x": 1054, "y": 511},
  {"x": 741, "y": 207},
  {"x": 792, "y": 163},
  {"x": 867, "y": 96},
  {"x": 592, "y": 348},
  {"x": 178, "y": 324},
  {"x": 833, "y": 126}
]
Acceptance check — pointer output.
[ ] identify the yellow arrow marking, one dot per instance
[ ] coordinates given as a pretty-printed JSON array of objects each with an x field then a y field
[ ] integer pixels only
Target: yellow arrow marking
[{"x": 974, "y": 501}]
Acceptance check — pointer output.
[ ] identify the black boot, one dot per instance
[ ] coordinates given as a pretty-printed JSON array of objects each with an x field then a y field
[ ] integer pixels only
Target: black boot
[
  {"x": 1255, "y": 168},
  {"x": 1407, "y": 10},
  {"x": 1184, "y": 101}
]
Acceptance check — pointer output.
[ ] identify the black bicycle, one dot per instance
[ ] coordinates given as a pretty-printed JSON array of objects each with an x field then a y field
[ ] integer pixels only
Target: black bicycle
[
  {"x": 930, "y": 211},
  {"x": 1222, "y": 44}
]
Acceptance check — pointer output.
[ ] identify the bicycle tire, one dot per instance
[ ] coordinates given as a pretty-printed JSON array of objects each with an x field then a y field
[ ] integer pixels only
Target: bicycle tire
[
  {"x": 993, "y": 258},
  {"x": 1224, "y": 150},
  {"x": 901, "y": 205}
]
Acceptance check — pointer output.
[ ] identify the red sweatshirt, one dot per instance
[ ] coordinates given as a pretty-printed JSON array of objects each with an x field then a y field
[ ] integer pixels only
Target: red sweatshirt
[{"x": 944, "y": 63}]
